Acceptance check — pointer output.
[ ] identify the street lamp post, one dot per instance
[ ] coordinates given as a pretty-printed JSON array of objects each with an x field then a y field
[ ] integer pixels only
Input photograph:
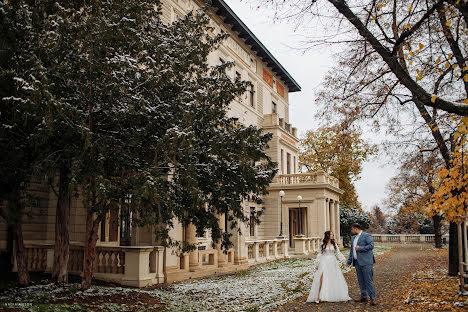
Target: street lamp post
[
  {"x": 299, "y": 198},
  {"x": 281, "y": 194}
]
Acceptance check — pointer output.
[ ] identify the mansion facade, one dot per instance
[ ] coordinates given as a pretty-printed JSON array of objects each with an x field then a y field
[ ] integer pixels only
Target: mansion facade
[{"x": 298, "y": 209}]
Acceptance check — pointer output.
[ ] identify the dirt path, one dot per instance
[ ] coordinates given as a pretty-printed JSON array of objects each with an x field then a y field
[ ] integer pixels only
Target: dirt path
[{"x": 392, "y": 272}]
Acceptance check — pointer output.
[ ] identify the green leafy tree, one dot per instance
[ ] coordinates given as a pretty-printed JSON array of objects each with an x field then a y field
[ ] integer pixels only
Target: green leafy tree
[
  {"x": 151, "y": 114},
  {"x": 22, "y": 96},
  {"x": 347, "y": 218}
]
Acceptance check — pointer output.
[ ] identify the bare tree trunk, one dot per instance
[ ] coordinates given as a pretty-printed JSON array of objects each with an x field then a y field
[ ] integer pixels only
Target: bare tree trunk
[
  {"x": 437, "y": 234},
  {"x": 62, "y": 223},
  {"x": 23, "y": 275},
  {"x": 453, "y": 250},
  {"x": 10, "y": 246},
  {"x": 92, "y": 228}
]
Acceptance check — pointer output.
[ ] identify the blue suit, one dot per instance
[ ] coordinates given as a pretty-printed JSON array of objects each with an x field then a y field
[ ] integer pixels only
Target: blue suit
[{"x": 364, "y": 264}]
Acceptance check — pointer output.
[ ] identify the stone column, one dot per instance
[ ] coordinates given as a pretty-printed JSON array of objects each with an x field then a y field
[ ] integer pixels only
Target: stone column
[
  {"x": 191, "y": 238},
  {"x": 322, "y": 216},
  {"x": 332, "y": 217},
  {"x": 256, "y": 251},
  {"x": 222, "y": 257},
  {"x": 327, "y": 216},
  {"x": 285, "y": 248},
  {"x": 337, "y": 218},
  {"x": 107, "y": 224},
  {"x": 157, "y": 264}
]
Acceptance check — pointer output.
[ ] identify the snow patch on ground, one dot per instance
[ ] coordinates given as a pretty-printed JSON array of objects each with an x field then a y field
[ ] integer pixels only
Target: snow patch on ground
[{"x": 260, "y": 288}]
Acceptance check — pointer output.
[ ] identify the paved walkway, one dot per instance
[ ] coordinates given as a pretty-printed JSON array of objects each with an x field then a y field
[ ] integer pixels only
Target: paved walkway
[{"x": 391, "y": 272}]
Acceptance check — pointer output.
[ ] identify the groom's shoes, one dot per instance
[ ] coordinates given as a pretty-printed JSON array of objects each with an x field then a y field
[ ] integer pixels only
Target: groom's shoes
[
  {"x": 361, "y": 300},
  {"x": 373, "y": 302}
]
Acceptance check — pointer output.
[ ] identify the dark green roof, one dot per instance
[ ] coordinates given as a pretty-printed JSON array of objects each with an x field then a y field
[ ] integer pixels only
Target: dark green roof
[{"x": 250, "y": 39}]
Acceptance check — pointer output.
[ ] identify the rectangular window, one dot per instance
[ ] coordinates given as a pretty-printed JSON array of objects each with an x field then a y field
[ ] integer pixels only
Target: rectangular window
[
  {"x": 251, "y": 94},
  {"x": 273, "y": 108},
  {"x": 288, "y": 163},
  {"x": 268, "y": 78},
  {"x": 282, "y": 161},
  {"x": 103, "y": 229},
  {"x": 280, "y": 89},
  {"x": 294, "y": 164},
  {"x": 252, "y": 221}
]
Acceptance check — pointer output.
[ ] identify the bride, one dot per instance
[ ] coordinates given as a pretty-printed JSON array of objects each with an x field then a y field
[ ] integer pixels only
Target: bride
[{"x": 329, "y": 283}]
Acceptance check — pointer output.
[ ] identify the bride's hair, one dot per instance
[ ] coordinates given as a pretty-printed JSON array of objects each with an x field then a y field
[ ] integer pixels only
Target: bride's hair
[{"x": 326, "y": 238}]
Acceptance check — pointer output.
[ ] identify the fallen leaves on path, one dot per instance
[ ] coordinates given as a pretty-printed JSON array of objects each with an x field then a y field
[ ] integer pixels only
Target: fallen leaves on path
[
  {"x": 430, "y": 288},
  {"x": 408, "y": 278}
]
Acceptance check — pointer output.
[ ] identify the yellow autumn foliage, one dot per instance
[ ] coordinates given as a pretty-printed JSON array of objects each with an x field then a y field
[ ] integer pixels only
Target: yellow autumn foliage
[{"x": 451, "y": 197}]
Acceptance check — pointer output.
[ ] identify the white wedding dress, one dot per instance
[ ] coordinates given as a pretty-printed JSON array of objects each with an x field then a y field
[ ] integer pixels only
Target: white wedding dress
[{"x": 334, "y": 287}]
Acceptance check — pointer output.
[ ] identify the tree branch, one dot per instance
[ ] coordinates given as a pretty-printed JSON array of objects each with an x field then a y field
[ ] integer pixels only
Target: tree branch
[
  {"x": 454, "y": 46},
  {"x": 416, "y": 90},
  {"x": 435, "y": 133},
  {"x": 412, "y": 30},
  {"x": 462, "y": 6},
  {"x": 439, "y": 80}
]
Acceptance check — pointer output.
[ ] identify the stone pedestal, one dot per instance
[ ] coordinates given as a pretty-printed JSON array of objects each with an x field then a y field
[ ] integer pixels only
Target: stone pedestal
[
  {"x": 137, "y": 266},
  {"x": 300, "y": 245}
]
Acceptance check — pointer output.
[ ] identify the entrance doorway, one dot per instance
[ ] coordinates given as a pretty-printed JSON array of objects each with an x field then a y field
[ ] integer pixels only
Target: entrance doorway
[{"x": 297, "y": 216}]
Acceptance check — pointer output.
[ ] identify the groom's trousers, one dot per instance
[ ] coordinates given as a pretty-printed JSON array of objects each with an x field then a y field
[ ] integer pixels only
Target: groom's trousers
[{"x": 365, "y": 275}]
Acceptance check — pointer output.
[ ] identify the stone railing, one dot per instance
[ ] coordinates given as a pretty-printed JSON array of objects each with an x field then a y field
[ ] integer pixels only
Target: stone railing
[
  {"x": 36, "y": 257},
  {"x": 271, "y": 120},
  {"x": 406, "y": 238},
  {"x": 137, "y": 266},
  {"x": 109, "y": 260},
  {"x": 307, "y": 178},
  {"x": 306, "y": 245},
  {"x": 75, "y": 259},
  {"x": 299, "y": 178},
  {"x": 263, "y": 250}
]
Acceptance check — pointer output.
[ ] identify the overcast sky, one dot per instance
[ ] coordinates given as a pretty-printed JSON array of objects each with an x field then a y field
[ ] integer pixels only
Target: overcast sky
[{"x": 308, "y": 69}]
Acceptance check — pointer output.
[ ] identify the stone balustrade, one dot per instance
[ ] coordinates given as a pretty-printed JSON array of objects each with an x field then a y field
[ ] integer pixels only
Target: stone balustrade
[
  {"x": 272, "y": 120},
  {"x": 406, "y": 238},
  {"x": 36, "y": 257},
  {"x": 263, "y": 250},
  {"x": 319, "y": 177},
  {"x": 136, "y": 266},
  {"x": 306, "y": 245},
  {"x": 109, "y": 260}
]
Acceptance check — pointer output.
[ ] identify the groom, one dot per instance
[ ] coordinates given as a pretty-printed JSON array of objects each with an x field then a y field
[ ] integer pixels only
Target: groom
[{"x": 362, "y": 257}]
